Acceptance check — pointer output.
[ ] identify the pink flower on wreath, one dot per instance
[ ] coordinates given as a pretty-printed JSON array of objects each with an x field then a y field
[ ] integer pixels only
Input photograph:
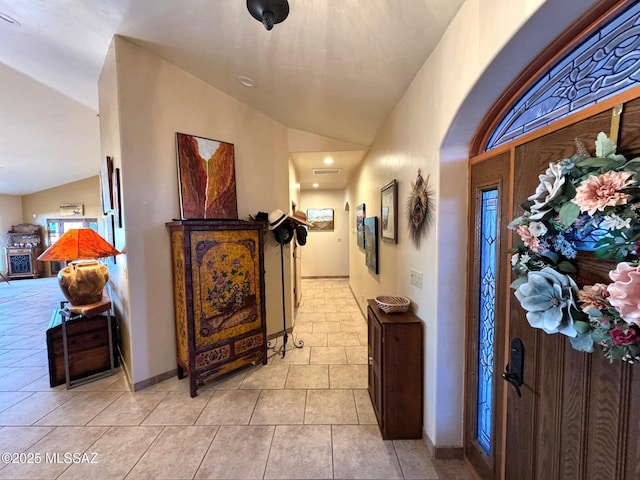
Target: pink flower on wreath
[
  {"x": 598, "y": 192},
  {"x": 620, "y": 337},
  {"x": 624, "y": 292},
  {"x": 594, "y": 296},
  {"x": 529, "y": 239}
]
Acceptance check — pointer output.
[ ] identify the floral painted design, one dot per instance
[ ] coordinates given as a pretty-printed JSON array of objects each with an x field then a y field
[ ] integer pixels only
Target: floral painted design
[{"x": 583, "y": 203}]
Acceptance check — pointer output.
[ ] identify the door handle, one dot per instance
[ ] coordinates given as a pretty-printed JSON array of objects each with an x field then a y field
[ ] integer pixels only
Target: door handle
[{"x": 514, "y": 371}]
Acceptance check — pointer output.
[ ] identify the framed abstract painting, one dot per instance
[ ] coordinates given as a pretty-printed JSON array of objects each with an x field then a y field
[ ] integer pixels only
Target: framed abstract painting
[{"x": 206, "y": 178}]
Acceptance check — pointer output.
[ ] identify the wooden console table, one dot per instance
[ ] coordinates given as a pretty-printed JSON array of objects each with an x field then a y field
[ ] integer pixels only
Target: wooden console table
[{"x": 76, "y": 314}]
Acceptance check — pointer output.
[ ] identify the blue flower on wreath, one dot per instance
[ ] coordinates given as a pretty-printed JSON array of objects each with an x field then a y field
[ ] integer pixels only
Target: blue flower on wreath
[{"x": 548, "y": 296}]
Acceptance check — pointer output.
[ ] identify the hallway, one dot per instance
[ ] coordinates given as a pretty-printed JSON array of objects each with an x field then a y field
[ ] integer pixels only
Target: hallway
[{"x": 307, "y": 415}]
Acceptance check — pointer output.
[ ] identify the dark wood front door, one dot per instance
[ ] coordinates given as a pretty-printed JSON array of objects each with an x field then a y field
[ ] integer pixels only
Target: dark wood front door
[{"x": 577, "y": 416}]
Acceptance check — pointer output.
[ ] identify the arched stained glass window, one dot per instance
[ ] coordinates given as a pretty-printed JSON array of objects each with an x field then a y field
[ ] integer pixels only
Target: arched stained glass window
[{"x": 605, "y": 64}]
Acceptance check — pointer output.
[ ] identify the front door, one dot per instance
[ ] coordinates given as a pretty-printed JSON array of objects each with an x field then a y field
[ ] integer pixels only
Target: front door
[{"x": 575, "y": 416}]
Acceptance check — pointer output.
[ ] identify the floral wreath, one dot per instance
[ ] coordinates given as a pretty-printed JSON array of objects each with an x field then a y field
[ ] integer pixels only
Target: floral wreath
[{"x": 583, "y": 203}]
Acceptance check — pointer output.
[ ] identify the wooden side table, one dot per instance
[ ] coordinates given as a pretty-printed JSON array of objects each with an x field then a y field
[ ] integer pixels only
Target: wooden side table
[{"x": 73, "y": 312}]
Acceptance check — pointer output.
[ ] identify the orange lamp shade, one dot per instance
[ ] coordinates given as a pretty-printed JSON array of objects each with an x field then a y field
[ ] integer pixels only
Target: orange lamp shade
[
  {"x": 81, "y": 283},
  {"x": 78, "y": 244}
]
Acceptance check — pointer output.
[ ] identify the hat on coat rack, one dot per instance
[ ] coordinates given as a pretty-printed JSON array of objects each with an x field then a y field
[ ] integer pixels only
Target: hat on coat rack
[
  {"x": 277, "y": 216},
  {"x": 301, "y": 217}
]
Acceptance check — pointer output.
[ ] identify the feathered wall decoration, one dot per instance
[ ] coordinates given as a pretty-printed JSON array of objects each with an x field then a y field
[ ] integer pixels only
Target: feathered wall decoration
[{"x": 419, "y": 206}]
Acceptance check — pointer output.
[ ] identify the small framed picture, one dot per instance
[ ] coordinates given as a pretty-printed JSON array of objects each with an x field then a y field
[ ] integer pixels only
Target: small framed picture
[
  {"x": 371, "y": 243},
  {"x": 360, "y": 216},
  {"x": 320, "y": 218},
  {"x": 389, "y": 211}
]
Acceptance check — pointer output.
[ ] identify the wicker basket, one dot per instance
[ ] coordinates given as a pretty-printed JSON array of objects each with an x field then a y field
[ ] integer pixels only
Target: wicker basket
[{"x": 393, "y": 304}]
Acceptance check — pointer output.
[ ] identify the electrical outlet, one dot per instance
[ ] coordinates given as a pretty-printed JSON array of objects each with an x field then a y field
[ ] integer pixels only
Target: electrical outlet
[{"x": 416, "y": 278}]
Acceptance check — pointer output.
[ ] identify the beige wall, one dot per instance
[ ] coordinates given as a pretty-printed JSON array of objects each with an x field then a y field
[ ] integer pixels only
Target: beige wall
[
  {"x": 154, "y": 100},
  {"x": 430, "y": 129},
  {"x": 39, "y": 206},
  {"x": 10, "y": 214},
  {"x": 326, "y": 253}
]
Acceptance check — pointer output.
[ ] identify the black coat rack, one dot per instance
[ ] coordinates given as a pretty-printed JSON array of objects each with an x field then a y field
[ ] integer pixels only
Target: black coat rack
[{"x": 283, "y": 236}]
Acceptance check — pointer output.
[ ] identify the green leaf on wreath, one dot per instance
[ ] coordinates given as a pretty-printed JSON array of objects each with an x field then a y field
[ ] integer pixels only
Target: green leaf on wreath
[
  {"x": 569, "y": 213},
  {"x": 569, "y": 190},
  {"x": 519, "y": 281},
  {"x": 604, "y": 145},
  {"x": 604, "y": 163},
  {"x": 581, "y": 327},
  {"x": 633, "y": 164},
  {"x": 527, "y": 204},
  {"x": 566, "y": 267},
  {"x": 600, "y": 335},
  {"x": 582, "y": 342}
]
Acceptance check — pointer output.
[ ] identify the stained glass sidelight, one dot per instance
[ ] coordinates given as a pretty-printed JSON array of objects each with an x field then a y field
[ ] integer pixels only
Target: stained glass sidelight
[
  {"x": 606, "y": 63},
  {"x": 487, "y": 295}
]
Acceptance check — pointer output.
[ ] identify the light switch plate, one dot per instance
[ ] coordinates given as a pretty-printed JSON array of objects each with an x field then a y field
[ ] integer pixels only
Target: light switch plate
[{"x": 416, "y": 278}]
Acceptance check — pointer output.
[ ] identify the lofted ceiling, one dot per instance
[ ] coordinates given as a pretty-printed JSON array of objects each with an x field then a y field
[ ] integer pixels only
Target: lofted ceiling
[{"x": 334, "y": 68}]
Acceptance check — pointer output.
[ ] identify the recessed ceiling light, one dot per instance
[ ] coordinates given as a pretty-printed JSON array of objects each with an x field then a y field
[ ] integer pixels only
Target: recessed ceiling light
[
  {"x": 9, "y": 19},
  {"x": 246, "y": 81},
  {"x": 328, "y": 161},
  {"x": 315, "y": 185}
]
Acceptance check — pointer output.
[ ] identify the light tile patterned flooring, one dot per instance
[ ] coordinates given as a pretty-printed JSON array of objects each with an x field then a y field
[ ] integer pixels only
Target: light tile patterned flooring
[{"x": 304, "y": 416}]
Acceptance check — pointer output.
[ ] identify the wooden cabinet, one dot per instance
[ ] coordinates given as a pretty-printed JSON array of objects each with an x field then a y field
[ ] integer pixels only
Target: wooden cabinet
[
  {"x": 218, "y": 285},
  {"x": 23, "y": 248},
  {"x": 395, "y": 372},
  {"x": 22, "y": 263}
]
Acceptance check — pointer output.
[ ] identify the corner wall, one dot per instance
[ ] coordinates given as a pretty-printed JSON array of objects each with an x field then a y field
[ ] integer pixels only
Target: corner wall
[{"x": 150, "y": 100}]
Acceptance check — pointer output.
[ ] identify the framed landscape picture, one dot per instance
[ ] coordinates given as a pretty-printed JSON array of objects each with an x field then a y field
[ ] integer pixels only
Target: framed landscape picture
[
  {"x": 388, "y": 211},
  {"x": 371, "y": 243},
  {"x": 206, "y": 178},
  {"x": 320, "y": 218},
  {"x": 360, "y": 215}
]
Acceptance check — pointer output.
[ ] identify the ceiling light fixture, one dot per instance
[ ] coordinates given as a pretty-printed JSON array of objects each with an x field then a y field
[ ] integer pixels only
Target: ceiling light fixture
[
  {"x": 269, "y": 12},
  {"x": 315, "y": 185},
  {"x": 328, "y": 161},
  {"x": 246, "y": 81},
  {"x": 9, "y": 19}
]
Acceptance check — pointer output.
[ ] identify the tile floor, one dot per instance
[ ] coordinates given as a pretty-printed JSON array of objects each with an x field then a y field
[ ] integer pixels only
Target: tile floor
[{"x": 304, "y": 416}]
